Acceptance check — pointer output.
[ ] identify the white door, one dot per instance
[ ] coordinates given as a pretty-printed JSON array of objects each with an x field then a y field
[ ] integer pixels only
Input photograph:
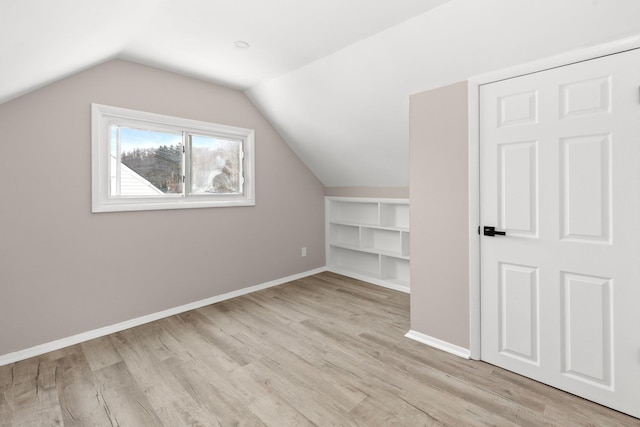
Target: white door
[{"x": 560, "y": 175}]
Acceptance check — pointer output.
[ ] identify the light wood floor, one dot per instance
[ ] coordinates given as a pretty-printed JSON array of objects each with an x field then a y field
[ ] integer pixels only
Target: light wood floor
[{"x": 324, "y": 350}]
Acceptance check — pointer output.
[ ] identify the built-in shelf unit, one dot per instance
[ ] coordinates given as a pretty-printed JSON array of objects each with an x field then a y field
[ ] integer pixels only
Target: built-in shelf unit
[{"x": 368, "y": 239}]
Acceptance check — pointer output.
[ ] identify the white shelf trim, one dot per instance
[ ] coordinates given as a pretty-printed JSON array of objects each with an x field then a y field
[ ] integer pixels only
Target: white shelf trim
[
  {"x": 369, "y": 250},
  {"x": 373, "y": 227},
  {"x": 395, "y": 285}
]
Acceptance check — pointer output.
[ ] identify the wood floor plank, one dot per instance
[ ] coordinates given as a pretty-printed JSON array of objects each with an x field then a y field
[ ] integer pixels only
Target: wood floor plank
[
  {"x": 372, "y": 412},
  {"x": 121, "y": 398},
  {"x": 194, "y": 345},
  {"x": 6, "y": 376},
  {"x": 75, "y": 388},
  {"x": 80, "y": 406},
  {"x": 6, "y": 414},
  {"x": 444, "y": 407},
  {"x": 316, "y": 407},
  {"x": 324, "y": 350},
  {"x": 264, "y": 335},
  {"x": 269, "y": 407},
  {"x": 217, "y": 394},
  {"x": 34, "y": 401},
  {"x": 100, "y": 353},
  {"x": 167, "y": 392},
  {"x": 48, "y": 403},
  {"x": 276, "y": 412},
  {"x": 519, "y": 414},
  {"x": 25, "y": 370}
]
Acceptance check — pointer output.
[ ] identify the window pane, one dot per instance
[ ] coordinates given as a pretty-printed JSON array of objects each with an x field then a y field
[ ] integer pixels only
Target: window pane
[
  {"x": 145, "y": 162},
  {"x": 216, "y": 165}
]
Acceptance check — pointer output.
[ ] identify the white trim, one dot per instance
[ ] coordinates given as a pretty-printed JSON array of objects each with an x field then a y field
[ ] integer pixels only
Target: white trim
[
  {"x": 103, "y": 116},
  {"x": 378, "y": 278},
  {"x": 474, "y": 223},
  {"x": 439, "y": 344},
  {"x": 567, "y": 58},
  {"x": 368, "y": 199},
  {"x": 100, "y": 332},
  {"x": 371, "y": 280},
  {"x": 560, "y": 60}
]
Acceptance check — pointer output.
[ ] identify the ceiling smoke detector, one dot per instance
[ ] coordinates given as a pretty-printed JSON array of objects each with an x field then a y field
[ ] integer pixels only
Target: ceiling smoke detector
[{"x": 241, "y": 44}]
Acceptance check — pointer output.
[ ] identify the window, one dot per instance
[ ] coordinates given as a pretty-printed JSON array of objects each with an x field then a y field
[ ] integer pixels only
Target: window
[{"x": 144, "y": 161}]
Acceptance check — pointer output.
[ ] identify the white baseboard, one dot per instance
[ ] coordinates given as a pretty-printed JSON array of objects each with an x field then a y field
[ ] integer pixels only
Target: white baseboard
[
  {"x": 439, "y": 344},
  {"x": 97, "y": 333},
  {"x": 384, "y": 283}
]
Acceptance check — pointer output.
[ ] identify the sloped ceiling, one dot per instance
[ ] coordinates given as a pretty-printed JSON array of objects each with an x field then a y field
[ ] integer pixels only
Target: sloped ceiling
[{"x": 333, "y": 76}]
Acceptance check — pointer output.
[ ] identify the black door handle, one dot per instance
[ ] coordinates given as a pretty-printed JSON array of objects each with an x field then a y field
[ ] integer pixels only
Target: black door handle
[{"x": 491, "y": 231}]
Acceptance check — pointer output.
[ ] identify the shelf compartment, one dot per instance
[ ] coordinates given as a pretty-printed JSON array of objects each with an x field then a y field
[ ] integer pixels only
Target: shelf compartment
[
  {"x": 405, "y": 244},
  {"x": 381, "y": 240},
  {"x": 395, "y": 270},
  {"x": 358, "y": 262},
  {"x": 369, "y": 239},
  {"x": 344, "y": 235},
  {"x": 366, "y": 213},
  {"x": 394, "y": 215}
]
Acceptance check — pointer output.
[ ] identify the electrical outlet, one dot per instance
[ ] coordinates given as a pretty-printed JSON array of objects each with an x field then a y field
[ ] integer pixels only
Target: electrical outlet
[{"x": 304, "y": 251}]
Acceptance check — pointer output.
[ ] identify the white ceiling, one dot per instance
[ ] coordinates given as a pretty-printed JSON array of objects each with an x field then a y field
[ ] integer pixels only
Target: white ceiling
[
  {"x": 333, "y": 76},
  {"x": 40, "y": 40}
]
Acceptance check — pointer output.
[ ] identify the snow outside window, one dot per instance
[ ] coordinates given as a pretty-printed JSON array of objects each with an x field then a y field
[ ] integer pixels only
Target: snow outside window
[{"x": 145, "y": 161}]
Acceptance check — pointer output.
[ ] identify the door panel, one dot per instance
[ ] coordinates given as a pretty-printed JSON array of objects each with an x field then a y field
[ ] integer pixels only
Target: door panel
[
  {"x": 518, "y": 109},
  {"x": 517, "y": 187},
  {"x": 585, "y": 171},
  {"x": 588, "y": 97},
  {"x": 519, "y": 312},
  {"x": 560, "y": 174},
  {"x": 587, "y": 333}
]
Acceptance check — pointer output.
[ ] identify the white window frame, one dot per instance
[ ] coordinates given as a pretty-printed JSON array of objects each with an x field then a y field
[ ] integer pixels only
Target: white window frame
[{"x": 103, "y": 116}]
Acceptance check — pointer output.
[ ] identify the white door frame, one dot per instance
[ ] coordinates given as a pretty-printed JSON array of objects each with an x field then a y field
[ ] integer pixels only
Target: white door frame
[{"x": 474, "y": 84}]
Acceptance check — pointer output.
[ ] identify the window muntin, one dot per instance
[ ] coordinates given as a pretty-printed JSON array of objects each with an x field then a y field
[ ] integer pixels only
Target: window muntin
[{"x": 144, "y": 161}]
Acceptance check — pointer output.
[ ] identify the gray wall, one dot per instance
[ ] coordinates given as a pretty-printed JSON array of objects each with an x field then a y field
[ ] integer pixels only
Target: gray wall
[
  {"x": 64, "y": 271},
  {"x": 439, "y": 192}
]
